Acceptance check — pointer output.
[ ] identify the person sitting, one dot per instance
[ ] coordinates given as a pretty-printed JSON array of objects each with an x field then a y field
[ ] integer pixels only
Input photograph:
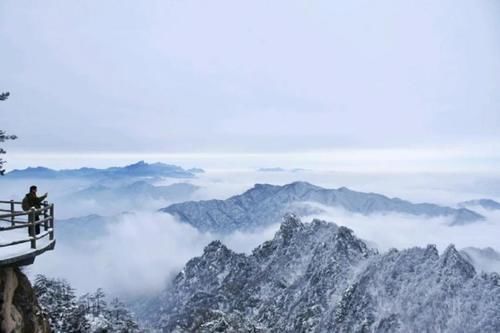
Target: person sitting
[{"x": 32, "y": 201}]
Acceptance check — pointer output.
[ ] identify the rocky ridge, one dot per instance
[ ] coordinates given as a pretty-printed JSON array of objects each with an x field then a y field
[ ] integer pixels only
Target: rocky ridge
[
  {"x": 265, "y": 204},
  {"x": 318, "y": 277}
]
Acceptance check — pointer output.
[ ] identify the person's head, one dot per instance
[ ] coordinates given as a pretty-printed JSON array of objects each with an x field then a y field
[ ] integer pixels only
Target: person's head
[{"x": 33, "y": 189}]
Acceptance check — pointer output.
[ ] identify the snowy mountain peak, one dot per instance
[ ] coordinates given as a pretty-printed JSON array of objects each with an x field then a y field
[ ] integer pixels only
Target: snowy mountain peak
[
  {"x": 290, "y": 221},
  {"x": 137, "y": 164},
  {"x": 261, "y": 189},
  {"x": 348, "y": 244},
  {"x": 345, "y": 235},
  {"x": 456, "y": 263},
  {"x": 302, "y": 184},
  {"x": 215, "y": 246},
  {"x": 324, "y": 279},
  {"x": 259, "y": 186},
  {"x": 432, "y": 251}
]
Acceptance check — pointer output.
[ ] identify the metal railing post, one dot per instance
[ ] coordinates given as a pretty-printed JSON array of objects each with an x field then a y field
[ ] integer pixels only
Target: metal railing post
[
  {"x": 51, "y": 225},
  {"x": 12, "y": 212},
  {"x": 45, "y": 216},
  {"x": 31, "y": 227}
]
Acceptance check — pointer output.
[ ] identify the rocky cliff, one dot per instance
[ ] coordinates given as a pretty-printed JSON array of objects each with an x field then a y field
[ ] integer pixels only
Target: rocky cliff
[{"x": 19, "y": 308}]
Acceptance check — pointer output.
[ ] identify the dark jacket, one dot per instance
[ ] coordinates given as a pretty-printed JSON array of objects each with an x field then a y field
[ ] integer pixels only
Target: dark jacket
[{"x": 31, "y": 200}]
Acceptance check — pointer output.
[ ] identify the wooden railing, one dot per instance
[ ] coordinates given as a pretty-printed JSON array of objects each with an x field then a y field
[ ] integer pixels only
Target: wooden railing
[{"x": 13, "y": 217}]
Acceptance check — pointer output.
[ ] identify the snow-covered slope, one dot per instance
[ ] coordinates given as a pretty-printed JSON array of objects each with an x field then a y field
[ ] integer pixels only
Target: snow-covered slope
[
  {"x": 319, "y": 277},
  {"x": 265, "y": 204}
]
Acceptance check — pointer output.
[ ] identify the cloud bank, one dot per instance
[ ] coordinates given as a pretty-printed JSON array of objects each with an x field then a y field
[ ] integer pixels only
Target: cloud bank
[
  {"x": 138, "y": 254},
  {"x": 403, "y": 231}
]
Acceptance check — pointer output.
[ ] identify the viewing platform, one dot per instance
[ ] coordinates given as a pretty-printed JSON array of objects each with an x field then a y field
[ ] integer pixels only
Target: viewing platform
[{"x": 19, "y": 242}]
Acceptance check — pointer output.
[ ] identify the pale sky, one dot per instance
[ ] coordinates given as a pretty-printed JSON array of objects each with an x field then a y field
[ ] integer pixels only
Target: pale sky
[{"x": 249, "y": 76}]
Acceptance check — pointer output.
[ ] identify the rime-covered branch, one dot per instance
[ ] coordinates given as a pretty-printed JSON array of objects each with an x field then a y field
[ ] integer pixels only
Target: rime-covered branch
[{"x": 4, "y": 136}]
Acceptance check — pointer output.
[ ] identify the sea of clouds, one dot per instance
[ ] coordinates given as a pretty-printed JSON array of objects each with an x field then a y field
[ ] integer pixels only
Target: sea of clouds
[{"x": 140, "y": 252}]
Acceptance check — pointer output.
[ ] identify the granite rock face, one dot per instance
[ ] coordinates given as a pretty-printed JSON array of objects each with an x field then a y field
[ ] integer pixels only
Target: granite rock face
[
  {"x": 20, "y": 311},
  {"x": 319, "y": 277}
]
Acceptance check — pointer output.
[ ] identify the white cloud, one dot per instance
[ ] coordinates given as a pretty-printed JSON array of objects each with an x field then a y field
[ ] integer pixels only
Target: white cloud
[
  {"x": 142, "y": 251},
  {"x": 404, "y": 231},
  {"x": 137, "y": 255}
]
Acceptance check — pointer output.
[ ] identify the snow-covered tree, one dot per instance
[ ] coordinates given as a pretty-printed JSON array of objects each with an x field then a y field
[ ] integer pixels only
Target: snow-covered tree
[
  {"x": 95, "y": 311},
  {"x": 4, "y": 136},
  {"x": 58, "y": 299},
  {"x": 98, "y": 302},
  {"x": 121, "y": 318},
  {"x": 102, "y": 317},
  {"x": 89, "y": 313}
]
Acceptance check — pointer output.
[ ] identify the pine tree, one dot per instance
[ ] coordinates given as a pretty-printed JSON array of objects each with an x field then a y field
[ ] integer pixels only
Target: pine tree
[
  {"x": 96, "y": 311},
  {"x": 4, "y": 136},
  {"x": 89, "y": 314},
  {"x": 99, "y": 302},
  {"x": 58, "y": 300},
  {"x": 121, "y": 319}
]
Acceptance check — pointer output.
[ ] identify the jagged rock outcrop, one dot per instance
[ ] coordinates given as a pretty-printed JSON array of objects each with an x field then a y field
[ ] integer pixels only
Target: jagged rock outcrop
[
  {"x": 319, "y": 277},
  {"x": 19, "y": 309},
  {"x": 265, "y": 204}
]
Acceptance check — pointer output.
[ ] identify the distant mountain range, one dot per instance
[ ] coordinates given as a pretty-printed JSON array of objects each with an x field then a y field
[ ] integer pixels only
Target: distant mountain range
[
  {"x": 278, "y": 169},
  {"x": 139, "y": 169},
  {"x": 264, "y": 204},
  {"x": 75, "y": 230},
  {"x": 136, "y": 191},
  {"x": 318, "y": 277},
  {"x": 484, "y": 203},
  {"x": 274, "y": 169},
  {"x": 196, "y": 170}
]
